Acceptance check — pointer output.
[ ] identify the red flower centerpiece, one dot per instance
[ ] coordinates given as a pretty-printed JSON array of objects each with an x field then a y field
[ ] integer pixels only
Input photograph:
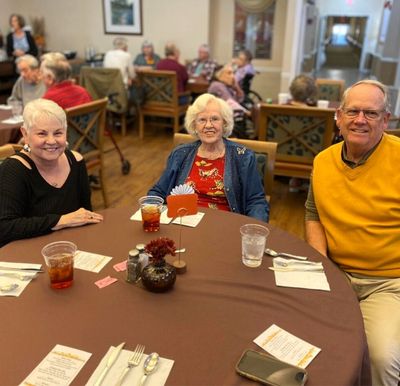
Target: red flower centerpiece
[{"x": 159, "y": 276}]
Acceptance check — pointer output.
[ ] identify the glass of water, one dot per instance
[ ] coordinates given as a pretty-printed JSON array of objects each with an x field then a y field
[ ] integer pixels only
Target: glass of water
[
  {"x": 254, "y": 238},
  {"x": 16, "y": 107}
]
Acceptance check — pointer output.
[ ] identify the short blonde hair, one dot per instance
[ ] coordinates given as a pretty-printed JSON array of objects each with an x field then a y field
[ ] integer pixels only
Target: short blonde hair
[
  {"x": 43, "y": 108},
  {"x": 199, "y": 105}
]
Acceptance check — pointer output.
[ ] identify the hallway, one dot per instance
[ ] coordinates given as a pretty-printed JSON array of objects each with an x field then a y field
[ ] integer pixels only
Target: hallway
[{"x": 338, "y": 56}]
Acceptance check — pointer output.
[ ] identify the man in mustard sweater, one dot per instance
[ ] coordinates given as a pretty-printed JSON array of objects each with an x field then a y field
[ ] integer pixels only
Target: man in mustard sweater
[{"x": 353, "y": 217}]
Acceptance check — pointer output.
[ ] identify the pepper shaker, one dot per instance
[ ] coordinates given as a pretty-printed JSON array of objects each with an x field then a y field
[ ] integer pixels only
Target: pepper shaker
[{"x": 133, "y": 267}]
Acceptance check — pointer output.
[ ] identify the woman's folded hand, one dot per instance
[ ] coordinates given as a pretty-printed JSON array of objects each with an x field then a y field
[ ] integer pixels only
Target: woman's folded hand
[{"x": 80, "y": 217}]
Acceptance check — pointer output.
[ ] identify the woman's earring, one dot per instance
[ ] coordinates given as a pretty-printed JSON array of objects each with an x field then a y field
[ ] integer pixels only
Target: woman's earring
[
  {"x": 27, "y": 148},
  {"x": 67, "y": 144}
]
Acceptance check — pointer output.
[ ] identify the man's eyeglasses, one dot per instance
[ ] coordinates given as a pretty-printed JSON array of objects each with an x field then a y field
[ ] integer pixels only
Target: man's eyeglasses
[
  {"x": 371, "y": 115},
  {"x": 213, "y": 120}
]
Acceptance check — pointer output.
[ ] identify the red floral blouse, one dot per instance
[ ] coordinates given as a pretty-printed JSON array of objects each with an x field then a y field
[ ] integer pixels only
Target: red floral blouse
[{"x": 207, "y": 180}]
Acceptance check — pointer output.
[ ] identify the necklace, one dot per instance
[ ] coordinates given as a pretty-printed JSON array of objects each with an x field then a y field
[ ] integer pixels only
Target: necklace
[
  {"x": 212, "y": 155},
  {"x": 55, "y": 184}
]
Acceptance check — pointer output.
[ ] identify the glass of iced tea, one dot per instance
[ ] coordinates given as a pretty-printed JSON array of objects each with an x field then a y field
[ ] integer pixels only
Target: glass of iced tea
[
  {"x": 151, "y": 207},
  {"x": 59, "y": 257}
]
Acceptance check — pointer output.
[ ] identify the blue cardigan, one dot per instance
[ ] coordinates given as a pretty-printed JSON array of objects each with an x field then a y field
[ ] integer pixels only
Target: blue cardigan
[{"x": 243, "y": 186}]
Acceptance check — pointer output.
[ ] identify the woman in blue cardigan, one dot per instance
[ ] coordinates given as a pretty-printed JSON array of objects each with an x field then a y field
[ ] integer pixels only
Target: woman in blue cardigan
[{"x": 222, "y": 173}]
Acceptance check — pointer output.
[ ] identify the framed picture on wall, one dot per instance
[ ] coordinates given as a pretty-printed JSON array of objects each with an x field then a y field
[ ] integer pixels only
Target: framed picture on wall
[{"x": 122, "y": 17}]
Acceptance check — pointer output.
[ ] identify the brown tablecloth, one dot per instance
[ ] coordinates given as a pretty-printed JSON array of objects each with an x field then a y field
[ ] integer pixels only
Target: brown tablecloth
[
  {"x": 209, "y": 318},
  {"x": 9, "y": 133}
]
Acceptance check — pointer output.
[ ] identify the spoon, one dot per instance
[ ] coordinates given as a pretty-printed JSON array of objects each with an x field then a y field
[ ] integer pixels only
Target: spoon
[
  {"x": 149, "y": 366},
  {"x": 9, "y": 287},
  {"x": 272, "y": 253}
]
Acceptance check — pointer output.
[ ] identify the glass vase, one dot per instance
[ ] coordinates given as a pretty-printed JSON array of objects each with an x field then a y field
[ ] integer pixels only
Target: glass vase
[{"x": 159, "y": 277}]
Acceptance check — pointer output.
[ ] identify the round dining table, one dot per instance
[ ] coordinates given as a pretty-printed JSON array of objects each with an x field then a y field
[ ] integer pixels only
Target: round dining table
[{"x": 213, "y": 313}]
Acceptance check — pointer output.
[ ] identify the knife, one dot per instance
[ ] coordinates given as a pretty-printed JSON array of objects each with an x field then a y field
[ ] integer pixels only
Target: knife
[{"x": 112, "y": 358}]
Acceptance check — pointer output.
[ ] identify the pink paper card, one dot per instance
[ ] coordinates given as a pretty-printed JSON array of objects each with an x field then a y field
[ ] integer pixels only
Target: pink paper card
[
  {"x": 105, "y": 282},
  {"x": 120, "y": 267}
]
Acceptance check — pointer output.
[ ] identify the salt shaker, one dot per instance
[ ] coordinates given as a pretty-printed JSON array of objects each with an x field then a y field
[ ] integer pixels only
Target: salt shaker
[
  {"x": 133, "y": 267},
  {"x": 143, "y": 256}
]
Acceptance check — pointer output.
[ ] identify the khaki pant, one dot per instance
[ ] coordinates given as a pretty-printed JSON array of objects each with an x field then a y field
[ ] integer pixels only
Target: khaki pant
[{"x": 380, "y": 306}]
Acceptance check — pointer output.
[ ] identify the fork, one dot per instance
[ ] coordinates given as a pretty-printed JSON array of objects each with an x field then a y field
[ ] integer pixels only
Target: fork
[{"x": 133, "y": 361}]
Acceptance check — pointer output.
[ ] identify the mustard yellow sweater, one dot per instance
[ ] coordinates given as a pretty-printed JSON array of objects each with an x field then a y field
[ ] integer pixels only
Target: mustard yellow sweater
[{"x": 360, "y": 208}]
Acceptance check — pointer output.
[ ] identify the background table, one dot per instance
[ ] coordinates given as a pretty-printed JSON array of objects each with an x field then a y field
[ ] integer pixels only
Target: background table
[
  {"x": 197, "y": 85},
  {"x": 9, "y": 133},
  {"x": 209, "y": 318}
]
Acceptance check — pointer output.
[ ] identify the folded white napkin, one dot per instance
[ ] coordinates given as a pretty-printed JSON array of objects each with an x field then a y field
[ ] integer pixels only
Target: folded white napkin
[
  {"x": 156, "y": 378},
  {"x": 10, "y": 277},
  {"x": 300, "y": 274},
  {"x": 14, "y": 120}
]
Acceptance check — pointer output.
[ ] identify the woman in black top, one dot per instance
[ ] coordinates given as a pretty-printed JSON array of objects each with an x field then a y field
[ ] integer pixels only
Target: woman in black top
[
  {"x": 44, "y": 187},
  {"x": 20, "y": 42}
]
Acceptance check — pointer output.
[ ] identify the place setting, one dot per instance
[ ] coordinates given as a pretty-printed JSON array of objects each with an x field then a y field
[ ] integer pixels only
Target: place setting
[
  {"x": 118, "y": 367},
  {"x": 181, "y": 209},
  {"x": 15, "y": 277},
  {"x": 290, "y": 270},
  {"x": 126, "y": 367}
]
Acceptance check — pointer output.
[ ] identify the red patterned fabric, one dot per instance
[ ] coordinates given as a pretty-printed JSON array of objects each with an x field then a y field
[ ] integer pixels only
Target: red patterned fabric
[{"x": 207, "y": 179}]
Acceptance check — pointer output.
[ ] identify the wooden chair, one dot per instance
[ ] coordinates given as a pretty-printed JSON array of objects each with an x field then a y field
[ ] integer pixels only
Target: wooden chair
[
  {"x": 85, "y": 135},
  {"x": 265, "y": 155},
  {"x": 330, "y": 89},
  {"x": 161, "y": 99},
  {"x": 107, "y": 82},
  {"x": 8, "y": 76},
  {"x": 8, "y": 150},
  {"x": 301, "y": 133},
  {"x": 395, "y": 132}
]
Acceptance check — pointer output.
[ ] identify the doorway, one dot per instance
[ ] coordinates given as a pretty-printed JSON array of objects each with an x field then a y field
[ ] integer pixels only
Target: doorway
[{"x": 342, "y": 42}]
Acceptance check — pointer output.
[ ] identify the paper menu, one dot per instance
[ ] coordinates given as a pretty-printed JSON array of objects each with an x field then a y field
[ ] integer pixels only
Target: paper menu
[
  {"x": 287, "y": 347},
  {"x": 59, "y": 368},
  {"x": 189, "y": 221},
  {"x": 156, "y": 378},
  {"x": 88, "y": 261}
]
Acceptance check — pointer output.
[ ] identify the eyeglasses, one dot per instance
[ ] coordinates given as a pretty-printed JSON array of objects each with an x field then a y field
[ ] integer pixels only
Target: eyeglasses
[
  {"x": 371, "y": 115},
  {"x": 214, "y": 120}
]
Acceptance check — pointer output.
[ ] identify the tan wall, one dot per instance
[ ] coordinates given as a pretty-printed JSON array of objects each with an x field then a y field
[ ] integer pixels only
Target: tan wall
[{"x": 76, "y": 24}]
